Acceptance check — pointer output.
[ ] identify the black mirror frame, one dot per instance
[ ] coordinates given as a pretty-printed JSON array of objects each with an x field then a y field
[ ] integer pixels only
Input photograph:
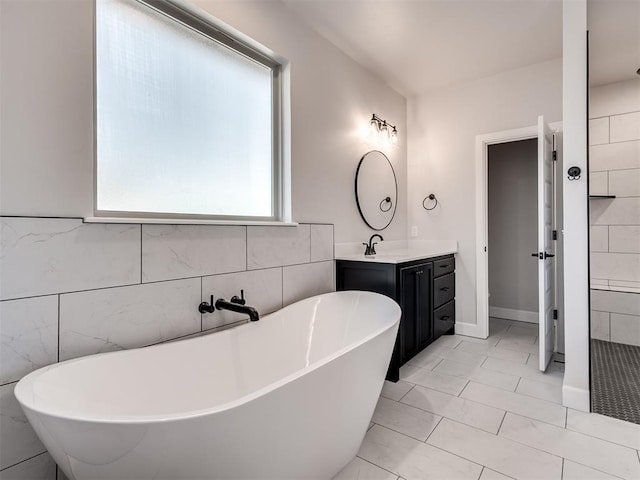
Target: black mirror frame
[{"x": 395, "y": 181}]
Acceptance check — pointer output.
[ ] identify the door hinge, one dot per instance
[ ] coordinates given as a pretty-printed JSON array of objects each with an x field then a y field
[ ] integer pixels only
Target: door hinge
[
  {"x": 555, "y": 155},
  {"x": 555, "y": 234},
  {"x": 555, "y": 314}
]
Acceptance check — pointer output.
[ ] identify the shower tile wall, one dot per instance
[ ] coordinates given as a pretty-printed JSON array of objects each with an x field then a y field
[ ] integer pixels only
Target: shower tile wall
[
  {"x": 615, "y": 223},
  {"x": 69, "y": 289}
]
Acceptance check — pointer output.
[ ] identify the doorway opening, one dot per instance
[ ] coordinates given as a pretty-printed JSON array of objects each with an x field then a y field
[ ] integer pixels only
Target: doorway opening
[{"x": 520, "y": 244}]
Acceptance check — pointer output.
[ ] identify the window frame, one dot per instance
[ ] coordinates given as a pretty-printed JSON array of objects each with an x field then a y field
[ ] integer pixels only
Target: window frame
[{"x": 181, "y": 14}]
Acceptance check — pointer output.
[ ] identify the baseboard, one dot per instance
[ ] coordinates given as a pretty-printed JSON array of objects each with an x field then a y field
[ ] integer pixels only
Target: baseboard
[
  {"x": 512, "y": 314},
  {"x": 576, "y": 398},
  {"x": 469, "y": 330}
]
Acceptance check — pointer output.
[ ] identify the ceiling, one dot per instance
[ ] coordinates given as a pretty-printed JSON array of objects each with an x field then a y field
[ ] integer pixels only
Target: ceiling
[
  {"x": 419, "y": 45},
  {"x": 614, "y": 40}
]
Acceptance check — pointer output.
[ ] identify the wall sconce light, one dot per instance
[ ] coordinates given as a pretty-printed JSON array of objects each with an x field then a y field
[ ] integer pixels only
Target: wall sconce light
[{"x": 383, "y": 130}]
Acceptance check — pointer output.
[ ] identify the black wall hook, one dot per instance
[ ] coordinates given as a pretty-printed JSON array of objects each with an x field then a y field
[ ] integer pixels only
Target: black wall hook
[{"x": 430, "y": 197}]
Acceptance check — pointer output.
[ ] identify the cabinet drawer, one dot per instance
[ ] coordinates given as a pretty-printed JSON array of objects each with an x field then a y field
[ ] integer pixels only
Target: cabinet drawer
[
  {"x": 444, "y": 289},
  {"x": 444, "y": 318},
  {"x": 443, "y": 267}
]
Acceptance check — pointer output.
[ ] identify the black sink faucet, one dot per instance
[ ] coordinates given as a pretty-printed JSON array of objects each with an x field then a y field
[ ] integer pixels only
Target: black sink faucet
[
  {"x": 370, "y": 248},
  {"x": 236, "y": 304}
]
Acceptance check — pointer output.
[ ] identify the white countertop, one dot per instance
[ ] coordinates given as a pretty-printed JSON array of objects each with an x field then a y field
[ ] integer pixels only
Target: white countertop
[{"x": 397, "y": 251}]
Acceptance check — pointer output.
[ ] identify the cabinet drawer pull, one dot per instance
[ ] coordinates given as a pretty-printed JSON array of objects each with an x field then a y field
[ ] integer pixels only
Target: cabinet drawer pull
[
  {"x": 444, "y": 266},
  {"x": 445, "y": 317},
  {"x": 444, "y": 289}
]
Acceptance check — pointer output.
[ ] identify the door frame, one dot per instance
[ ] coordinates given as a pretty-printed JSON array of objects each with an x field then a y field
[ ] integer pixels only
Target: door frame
[{"x": 481, "y": 329}]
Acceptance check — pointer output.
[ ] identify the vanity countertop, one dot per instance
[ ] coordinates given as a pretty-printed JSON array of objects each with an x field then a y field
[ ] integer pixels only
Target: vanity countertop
[{"x": 396, "y": 251}]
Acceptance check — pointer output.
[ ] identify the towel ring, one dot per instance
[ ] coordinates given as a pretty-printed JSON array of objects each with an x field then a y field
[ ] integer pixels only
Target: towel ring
[
  {"x": 430, "y": 197},
  {"x": 386, "y": 200}
]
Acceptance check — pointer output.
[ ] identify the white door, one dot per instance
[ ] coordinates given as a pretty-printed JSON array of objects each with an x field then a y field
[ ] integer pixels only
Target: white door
[{"x": 546, "y": 251}]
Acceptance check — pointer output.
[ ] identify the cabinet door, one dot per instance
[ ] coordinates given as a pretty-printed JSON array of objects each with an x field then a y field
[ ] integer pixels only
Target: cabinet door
[
  {"x": 424, "y": 322},
  {"x": 409, "y": 304}
]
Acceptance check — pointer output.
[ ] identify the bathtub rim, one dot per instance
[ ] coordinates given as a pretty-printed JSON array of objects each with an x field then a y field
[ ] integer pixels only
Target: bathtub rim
[{"x": 25, "y": 385}]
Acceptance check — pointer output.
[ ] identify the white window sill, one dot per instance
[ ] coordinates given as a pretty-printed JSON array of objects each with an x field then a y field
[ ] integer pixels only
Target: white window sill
[{"x": 186, "y": 221}]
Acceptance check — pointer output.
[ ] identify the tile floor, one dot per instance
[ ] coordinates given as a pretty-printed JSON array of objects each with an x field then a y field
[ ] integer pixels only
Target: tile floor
[{"x": 479, "y": 409}]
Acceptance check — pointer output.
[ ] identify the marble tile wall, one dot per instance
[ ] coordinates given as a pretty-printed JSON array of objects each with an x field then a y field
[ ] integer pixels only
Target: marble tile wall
[
  {"x": 69, "y": 289},
  {"x": 614, "y": 169}
]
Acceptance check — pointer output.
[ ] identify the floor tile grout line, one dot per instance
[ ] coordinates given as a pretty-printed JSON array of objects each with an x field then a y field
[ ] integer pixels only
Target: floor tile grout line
[
  {"x": 555, "y": 454},
  {"x": 434, "y": 429},
  {"x": 501, "y": 422},
  {"x": 600, "y": 438},
  {"x": 376, "y": 465},
  {"x": 562, "y": 470},
  {"x": 407, "y": 393},
  {"x": 23, "y": 461},
  {"x": 406, "y": 435},
  {"x": 456, "y": 455}
]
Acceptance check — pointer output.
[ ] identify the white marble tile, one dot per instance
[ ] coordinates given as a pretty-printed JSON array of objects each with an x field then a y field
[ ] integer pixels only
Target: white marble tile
[
  {"x": 624, "y": 183},
  {"x": 492, "y": 475},
  {"x": 543, "y": 391},
  {"x": 606, "y": 428},
  {"x": 618, "y": 302},
  {"x": 518, "y": 345},
  {"x": 455, "y": 408},
  {"x": 616, "y": 211},
  {"x": 414, "y": 460},
  {"x": 524, "y": 328},
  {"x": 575, "y": 471},
  {"x": 17, "y": 438},
  {"x": 429, "y": 357},
  {"x": 599, "y": 183},
  {"x": 592, "y": 452},
  {"x": 625, "y": 239},
  {"x": 278, "y": 246},
  {"x": 625, "y": 127},
  {"x": 450, "y": 341},
  {"x": 528, "y": 338},
  {"x": 41, "y": 467},
  {"x": 28, "y": 336},
  {"x": 530, "y": 370},
  {"x": 171, "y": 252},
  {"x": 624, "y": 286},
  {"x": 513, "y": 402},
  {"x": 321, "y": 243},
  {"x": 262, "y": 290},
  {"x": 359, "y": 469},
  {"x": 625, "y": 329},
  {"x": 40, "y": 256},
  {"x": 128, "y": 317},
  {"x": 395, "y": 391},
  {"x": 616, "y": 266},
  {"x": 478, "y": 374},
  {"x": 599, "y": 131},
  {"x": 491, "y": 351},
  {"x": 615, "y": 156},
  {"x": 599, "y": 238},
  {"x": 437, "y": 381},
  {"x": 600, "y": 329},
  {"x": 498, "y": 453},
  {"x": 491, "y": 340},
  {"x": 303, "y": 281},
  {"x": 405, "y": 419}
]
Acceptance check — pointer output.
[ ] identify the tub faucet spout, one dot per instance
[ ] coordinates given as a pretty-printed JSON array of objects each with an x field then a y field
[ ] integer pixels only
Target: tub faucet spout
[{"x": 238, "y": 305}]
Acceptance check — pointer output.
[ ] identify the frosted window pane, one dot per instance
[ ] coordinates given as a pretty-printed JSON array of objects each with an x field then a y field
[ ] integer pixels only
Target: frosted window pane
[{"x": 184, "y": 122}]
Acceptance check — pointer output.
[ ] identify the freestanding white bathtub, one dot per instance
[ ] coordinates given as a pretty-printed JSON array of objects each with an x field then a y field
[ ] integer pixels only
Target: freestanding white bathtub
[{"x": 288, "y": 397}]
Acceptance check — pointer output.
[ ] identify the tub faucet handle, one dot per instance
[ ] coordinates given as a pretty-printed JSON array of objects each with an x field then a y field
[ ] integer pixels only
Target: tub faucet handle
[
  {"x": 206, "y": 307},
  {"x": 239, "y": 300}
]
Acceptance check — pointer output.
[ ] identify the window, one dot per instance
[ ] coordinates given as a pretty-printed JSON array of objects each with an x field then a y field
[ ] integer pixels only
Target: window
[{"x": 188, "y": 118}]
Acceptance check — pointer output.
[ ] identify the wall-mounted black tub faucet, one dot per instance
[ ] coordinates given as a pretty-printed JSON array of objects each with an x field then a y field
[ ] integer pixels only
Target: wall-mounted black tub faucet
[
  {"x": 236, "y": 304},
  {"x": 370, "y": 248}
]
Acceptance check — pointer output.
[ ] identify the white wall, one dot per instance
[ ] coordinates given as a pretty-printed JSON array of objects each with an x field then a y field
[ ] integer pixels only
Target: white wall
[
  {"x": 575, "y": 388},
  {"x": 442, "y": 126},
  {"x": 47, "y": 112}
]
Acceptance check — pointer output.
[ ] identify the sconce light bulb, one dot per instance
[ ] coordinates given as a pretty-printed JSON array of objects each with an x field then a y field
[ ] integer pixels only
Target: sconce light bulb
[
  {"x": 394, "y": 136},
  {"x": 385, "y": 131},
  {"x": 373, "y": 126}
]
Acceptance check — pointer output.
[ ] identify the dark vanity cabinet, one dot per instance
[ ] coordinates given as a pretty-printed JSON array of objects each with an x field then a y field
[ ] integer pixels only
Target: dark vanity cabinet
[{"x": 425, "y": 291}]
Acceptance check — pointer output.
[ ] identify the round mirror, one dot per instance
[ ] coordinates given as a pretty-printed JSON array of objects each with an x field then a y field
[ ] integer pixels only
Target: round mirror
[{"x": 376, "y": 190}]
